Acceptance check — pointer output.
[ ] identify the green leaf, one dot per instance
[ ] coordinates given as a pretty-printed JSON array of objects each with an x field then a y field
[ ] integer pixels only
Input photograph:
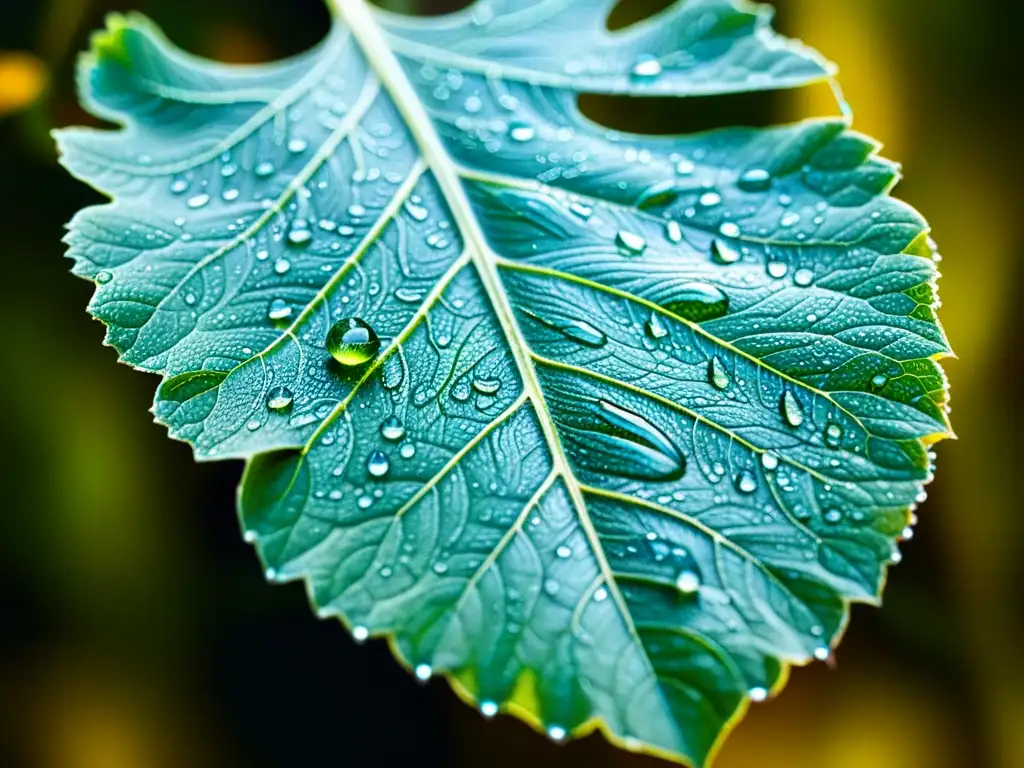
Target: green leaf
[{"x": 609, "y": 429}]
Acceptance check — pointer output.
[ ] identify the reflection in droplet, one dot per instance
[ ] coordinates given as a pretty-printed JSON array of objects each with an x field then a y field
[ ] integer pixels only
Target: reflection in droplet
[
  {"x": 791, "y": 409},
  {"x": 279, "y": 399},
  {"x": 352, "y": 342},
  {"x": 698, "y": 302}
]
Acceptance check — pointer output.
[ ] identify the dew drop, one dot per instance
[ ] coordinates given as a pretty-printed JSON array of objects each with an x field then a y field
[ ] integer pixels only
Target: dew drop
[
  {"x": 646, "y": 67},
  {"x": 521, "y": 132},
  {"x": 792, "y": 412},
  {"x": 656, "y": 327},
  {"x": 281, "y": 266},
  {"x": 585, "y": 333},
  {"x": 685, "y": 167},
  {"x": 717, "y": 374},
  {"x": 789, "y": 219},
  {"x": 297, "y": 146},
  {"x": 198, "y": 201},
  {"x": 408, "y": 295},
  {"x": 488, "y": 709},
  {"x": 698, "y": 302},
  {"x": 378, "y": 464},
  {"x": 688, "y": 582},
  {"x": 581, "y": 210},
  {"x": 803, "y": 277},
  {"x": 229, "y": 195},
  {"x": 600, "y": 595},
  {"x": 279, "y": 399},
  {"x": 758, "y": 694},
  {"x": 487, "y": 386},
  {"x": 417, "y": 212},
  {"x": 392, "y": 428},
  {"x": 625, "y": 443},
  {"x": 674, "y": 232},
  {"x": 833, "y": 435},
  {"x": 424, "y": 672},
  {"x": 563, "y": 552},
  {"x": 833, "y": 516},
  {"x": 879, "y": 381},
  {"x": 721, "y": 253},
  {"x": 264, "y": 169},
  {"x": 710, "y": 199},
  {"x": 822, "y": 653},
  {"x": 178, "y": 186},
  {"x": 104, "y": 277},
  {"x": 746, "y": 482},
  {"x": 360, "y": 633},
  {"x": 755, "y": 180},
  {"x": 352, "y": 342},
  {"x": 730, "y": 229},
  {"x": 407, "y": 450},
  {"x": 279, "y": 310},
  {"x": 769, "y": 461},
  {"x": 556, "y": 733},
  {"x": 630, "y": 243},
  {"x": 299, "y": 233},
  {"x": 777, "y": 269}
]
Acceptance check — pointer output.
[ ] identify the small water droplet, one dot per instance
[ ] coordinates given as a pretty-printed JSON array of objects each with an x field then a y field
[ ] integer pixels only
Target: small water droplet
[
  {"x": 178, "y": 186},
  {"x": 755, "y": 180},
  {"x": 792, "y": 411},
  {"x": 789, "y": 219},
  {"x": 879, "y": 381},
  {"x": 646, "y": 67},
  {"x": 487, "y": 386},
  {"x": 279, "y": 310},
  {"x": 600, "y": 595},
  {"x": 521, "y": 132},
  {"x": 556, "y": 733},
  {"x": 630, "y": 243},
  {"x": 685, "y": 167},
  {"x": 710, "y": 199},
  {"x": 656, "y": 327},
  {"x": 688, "y": 582},
  {"x": 674, "y": 232},
  {"x": 392, "y": 428},
  {"x": 723, "y": 253},
  {"x": 299, "y": 233},
  {"x": 297, "y": 146},
  {"x": 769, "y": 461},
  {"x": 833, "y": 516},
  {"x": 833, "y": 435},
  {"x": 198, "y": 201},
  {"x": 424, "y": 672},
  {"x": 281, "y": 266},
  {"x": 730, "y": 229},
  {"x": 581, "y": 210},
  {"x": 488, "y": 709},
  {"x": 803, "y": 277},
  {"x": 822, "y": 653},
  {"x": 777, "y": 269},
  {"x": 103, "y": 277},
  {"x": 253, "y": 424},
  {"x": 440, "y": 568},
  {"x": 407, "y": 450},
  {"x": 408, "y": 295},
  {"x": 417, "y": 212},
  {"x": 717, "y": 374},
  {"x": 360, "y": 633},
  {"x": 264, "y": 169},
  {"x": 758, "y": 694},
  {"x": 746, "y": 482},
  {"x": 352, "y": 342},
  {"x": 279, "y": 399},
  {"x": 563, "y": 552}
]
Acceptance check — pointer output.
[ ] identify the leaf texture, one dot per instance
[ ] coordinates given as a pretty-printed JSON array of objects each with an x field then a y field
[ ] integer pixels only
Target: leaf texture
[{"x": 633, "y": 419}]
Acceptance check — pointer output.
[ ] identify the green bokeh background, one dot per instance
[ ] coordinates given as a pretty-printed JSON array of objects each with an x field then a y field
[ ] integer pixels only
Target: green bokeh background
[{"x": 138, "y": 630}]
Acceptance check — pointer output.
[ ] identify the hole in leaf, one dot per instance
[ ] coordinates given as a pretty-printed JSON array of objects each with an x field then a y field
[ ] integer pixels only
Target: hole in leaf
[
  {"x": 683, "y": 115},
  {"x": 422, "y": 7},
  {"x": 629, "y": 12}
]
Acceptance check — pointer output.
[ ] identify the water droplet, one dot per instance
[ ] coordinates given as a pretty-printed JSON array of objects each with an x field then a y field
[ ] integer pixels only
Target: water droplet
[
  {"x": 879, "y": 381},
  {"x": 279, "y": 310},
  {"x": 629, "y": 243},
  {"x": 600, "y": 595},
  {"x": 521, "y": 132},
  {"x": 822, "y": 653},
  {"x": 297, "y": 145},
  {"x": 624, "y": 443},
  {"x": 585, "y": 333},
  {"x": 279, "y": 399},
  {"x": 440, "y": 568},
  {"x": 685, "y": 167},
  {"x": 253, "y": 424},
  {"x": 717, "y": 374},
  {"x": 710, "y": 199},
  {"x": 103, "y": 277},
  {"x": 758, "y": 694},
  {"x": 769, "y": 461},
  {"x": 424, "y": 672},
  {"x": 488, "y": 709},
  {"x": 722, "y": 253},
  {"x": 789, "y": 219},
  {"x": 698, "y": 302},
  {"x": 264, "y": 169},
  {"x": 730, "y": 229},
  {"x": 833, "y": 516},
  {"x": 563, "y": 552},
  {"x": 656, "y": 327},
  {"x": 755, "y": 180},
  {"x": 581, "y": 210},
  {"x": 777, "y": 269},
  {"x": 408, "y": 295},
  {"x": 688, "y": 582},
  {"x": 360, "y": 633},
  {"x": 407, "y": 450},
  {"x": 299, "y": 233},
  {"x": 746, "y": 482},
  {"x": 674, "y": 232},
  {"x": 178, "y": 186},
  {"x": 352, "y": 342},
  {"x": 198, "y": 201},
  {"x": 556, "y": 733},
  {"x": 417, "y": 212},
  {"x": 392, "y": 428},
  {"x": 792, "y": 411},
  {"x": 646, "y": 67},
  {"x": 281, "y": 266},
  {"x": 190, "y": 299},
  {"x": 803, "y": 277},
  {"x": 487, "y": 386},
  {"x": 833, "y": 435}
]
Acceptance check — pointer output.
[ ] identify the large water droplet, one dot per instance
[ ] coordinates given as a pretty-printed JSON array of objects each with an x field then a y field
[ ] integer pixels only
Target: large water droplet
[
  {"x": 630, "y": 243},
  {"x": 624, "y": 443},
  {"x": 717, "y": 374},
  {"x": 698, "y": 302},
  {"x": 585, "y": 333},
  {"x": 646, "y": 67},
  {"x": 279, "y": 399},
  {"x": 879, "y": 381},
  {"x": 746, "y": 482},
  {"x": 688, "y": 582},
  {"x": 755, "y": 180},
  {"x": 378, "y": 464},
  {"x": 723, "y": 253},
  {"x": 803, "y": 277},
  {"x": 791, "y": 409},
  {"x": 769, "y": 461},
  {"x": 392, "y": 428},
  {"x": 777, "y": 269},
  {"x": 352, "y": 342}
]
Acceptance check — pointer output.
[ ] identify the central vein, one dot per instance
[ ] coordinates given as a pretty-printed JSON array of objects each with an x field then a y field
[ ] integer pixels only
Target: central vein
[{"x": 357, "y": 15}]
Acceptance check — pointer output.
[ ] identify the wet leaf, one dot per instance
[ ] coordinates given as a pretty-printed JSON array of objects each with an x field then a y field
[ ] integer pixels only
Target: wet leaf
[{"x": 608, "y": 429}]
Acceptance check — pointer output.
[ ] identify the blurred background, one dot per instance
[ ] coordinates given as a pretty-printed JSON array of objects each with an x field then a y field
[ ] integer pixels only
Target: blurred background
[{"x": 140, "y": 632}]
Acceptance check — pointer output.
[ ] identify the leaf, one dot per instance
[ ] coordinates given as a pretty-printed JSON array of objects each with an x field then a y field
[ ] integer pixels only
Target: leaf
[{"x": 608, "y": 429}]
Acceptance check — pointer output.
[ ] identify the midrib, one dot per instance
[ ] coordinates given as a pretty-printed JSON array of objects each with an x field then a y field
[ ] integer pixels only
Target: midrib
[{"x": 359, "y": 18}]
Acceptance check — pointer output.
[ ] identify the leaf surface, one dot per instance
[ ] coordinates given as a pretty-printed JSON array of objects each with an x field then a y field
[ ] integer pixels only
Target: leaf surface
[{"x": 621, "y": 424}]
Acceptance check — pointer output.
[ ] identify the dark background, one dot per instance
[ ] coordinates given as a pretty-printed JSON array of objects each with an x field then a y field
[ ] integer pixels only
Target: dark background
[{"x": 138, "y": 631}]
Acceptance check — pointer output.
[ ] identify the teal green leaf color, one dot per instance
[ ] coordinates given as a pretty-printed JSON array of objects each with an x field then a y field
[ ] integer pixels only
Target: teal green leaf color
[{"x": 607, "y": 429}]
